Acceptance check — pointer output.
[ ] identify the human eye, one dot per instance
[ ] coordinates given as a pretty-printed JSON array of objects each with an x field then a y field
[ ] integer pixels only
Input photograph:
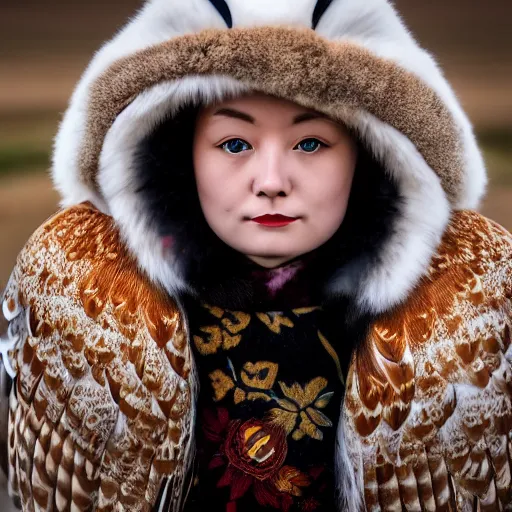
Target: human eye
[
  {"x": 235, "y": 146},
  {"x": 310, "y": 145}
]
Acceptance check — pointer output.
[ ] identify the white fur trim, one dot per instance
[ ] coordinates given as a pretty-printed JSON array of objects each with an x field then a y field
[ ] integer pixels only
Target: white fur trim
[
  {"x": 252, "y": 13},
  {"x": 417, "y": 233},
  {"x": 158, "y": 21},
  {"x": 375, "y": 25},
  {"x": 349, "y": 469}
]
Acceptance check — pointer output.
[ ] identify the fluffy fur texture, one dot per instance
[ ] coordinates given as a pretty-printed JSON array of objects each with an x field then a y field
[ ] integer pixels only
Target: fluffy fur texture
[
  {"x": 295, "y": 63},
  {"x": 393, "y": 275},
  {"x": 117, "y": 178}
]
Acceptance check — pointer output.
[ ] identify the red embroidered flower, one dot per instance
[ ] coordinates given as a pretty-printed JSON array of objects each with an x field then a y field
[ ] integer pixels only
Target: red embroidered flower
[
  {"x": 256, "y": 448},
  {"x": 215, "y": 423},
  {"x": 291, "y": 480},
  {"x": 253, "y": 453}
]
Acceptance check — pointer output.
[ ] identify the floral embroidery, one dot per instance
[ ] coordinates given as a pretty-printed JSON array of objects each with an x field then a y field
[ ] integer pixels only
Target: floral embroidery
[
  {"x": 234, "y": 322},
  {"x": 305, "y": 311},
  {"x": 274, "y": 321},
  {"x": 221, "y": 384},
  {"x": 260, "y": 375},
  {"x": 258, "y": 454},
  {"x": 253, "y": 454},
  {"x": 298, "y": 411},
  {"x": 256, "y": 448},
  {"x": 227, "y": 337},
  {"x": 302, "y": 404}
]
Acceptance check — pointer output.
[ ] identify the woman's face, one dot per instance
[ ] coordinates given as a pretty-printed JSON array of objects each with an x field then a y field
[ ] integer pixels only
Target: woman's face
[{"x": 257, "y": 156}]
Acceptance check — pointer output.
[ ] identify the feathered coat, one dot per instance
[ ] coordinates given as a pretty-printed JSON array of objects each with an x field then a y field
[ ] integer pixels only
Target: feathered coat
[{"x": 101, "y": 410}]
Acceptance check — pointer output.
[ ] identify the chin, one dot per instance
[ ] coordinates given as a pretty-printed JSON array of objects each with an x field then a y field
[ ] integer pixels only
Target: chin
[
  {"x": 269, "y": 262},
  {"x": 271, "y": 259}
]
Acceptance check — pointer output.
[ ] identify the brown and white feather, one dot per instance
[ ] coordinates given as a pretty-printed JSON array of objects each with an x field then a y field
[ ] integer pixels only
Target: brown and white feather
[
  {"x": 428, "y": 410},
  {"x": 101, "y": 407}
]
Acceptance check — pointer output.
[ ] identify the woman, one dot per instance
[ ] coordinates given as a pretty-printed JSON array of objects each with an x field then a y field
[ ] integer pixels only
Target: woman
[{"x": 265, "y": 290}]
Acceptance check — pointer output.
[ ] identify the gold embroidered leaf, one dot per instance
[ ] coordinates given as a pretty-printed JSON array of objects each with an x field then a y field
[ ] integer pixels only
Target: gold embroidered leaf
[
  {"x": 298, "y": 435},
  {"x": 294, "y": 392},
  {"x": 258, "y": 396},
  {"x": 221, "y": 384},
  {"x": 309, "y": 428},
  {"x": 239, "y": 396},
  {"x": 304, "y": 311},
  {"x": 284, "y": 419},
  {"x": 214, "y": 310},
  {"x": 324, "y": 400},
  {"x": 274, "y": 321},
  {"x": 304, "y": 396},
  {"x": 211, "y": 344},
  {"x": 241, "y": 322},
  {"x": 287, "y": 405},
  {"x": 334, "y": 356},
  {"x": 313, "y": 389},
  {"x": 229, "y": 342},
  {"x": 319, "y": 418}
]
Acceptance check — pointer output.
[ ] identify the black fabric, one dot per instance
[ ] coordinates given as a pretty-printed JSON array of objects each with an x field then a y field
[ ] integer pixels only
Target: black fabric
[
  {"x": 276, "y": 375},
  {"x": 224, "y": 11},
  {"x": 216, "y": 272},
  {"x": 252, "y": 380},
  {"x": 320, "y": 8}
]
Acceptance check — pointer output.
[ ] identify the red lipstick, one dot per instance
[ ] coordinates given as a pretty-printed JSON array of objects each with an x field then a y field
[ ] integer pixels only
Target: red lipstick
[{"x": 274, "y": 221}]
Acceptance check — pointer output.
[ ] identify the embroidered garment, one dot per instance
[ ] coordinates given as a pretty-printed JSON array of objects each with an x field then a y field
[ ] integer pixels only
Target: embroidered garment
[{"x": 271, "y": 388}]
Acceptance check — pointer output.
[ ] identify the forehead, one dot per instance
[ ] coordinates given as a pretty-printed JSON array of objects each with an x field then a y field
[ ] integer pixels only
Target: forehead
[{"x": 259, "y": 105}]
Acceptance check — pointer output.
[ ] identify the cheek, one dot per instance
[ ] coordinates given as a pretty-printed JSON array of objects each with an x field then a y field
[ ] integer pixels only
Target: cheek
[
  {"x": 331, "y": 189},
  {"x": 215, "y": 190},
  {"x": 329, "y": 193}
]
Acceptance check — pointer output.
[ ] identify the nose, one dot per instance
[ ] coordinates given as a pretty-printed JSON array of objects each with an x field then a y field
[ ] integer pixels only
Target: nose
[{"x": 271, "y": 177}]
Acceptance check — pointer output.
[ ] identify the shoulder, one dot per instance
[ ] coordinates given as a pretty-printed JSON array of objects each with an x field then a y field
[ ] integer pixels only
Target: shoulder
[
  {"x": 429, "y": 388},
  {"x": 79, "y": 234},
  {"x": 75, "y": 275},
  {"x": 473, "y": 240},
  {"x": 76, "y": 267},
  {"x": 469, "y": 279},
  {"x": 78, "y": 253},
  {"x": 65, "y": 248},
  {"x": 100, "y": 356}
]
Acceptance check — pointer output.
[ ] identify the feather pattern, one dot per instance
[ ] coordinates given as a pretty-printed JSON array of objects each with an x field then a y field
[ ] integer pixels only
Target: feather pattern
[
  {"x": 100, "y": 413},
  {"x": 429, "y": 392}
]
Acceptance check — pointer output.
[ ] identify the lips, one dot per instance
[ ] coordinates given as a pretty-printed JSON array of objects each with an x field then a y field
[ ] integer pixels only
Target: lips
[{"x": 274, "y": 221}]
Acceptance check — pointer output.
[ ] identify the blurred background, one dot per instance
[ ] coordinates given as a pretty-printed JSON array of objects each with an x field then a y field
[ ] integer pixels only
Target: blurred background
[{"x": 46, "y": 44}]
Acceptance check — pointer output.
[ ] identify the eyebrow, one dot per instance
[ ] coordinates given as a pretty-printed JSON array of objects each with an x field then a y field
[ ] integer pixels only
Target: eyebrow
[{"x": 236, "y": 114}]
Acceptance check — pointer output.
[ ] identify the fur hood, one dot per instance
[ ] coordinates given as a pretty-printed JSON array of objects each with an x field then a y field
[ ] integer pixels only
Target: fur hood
[{"x": 352, "y": 60}]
